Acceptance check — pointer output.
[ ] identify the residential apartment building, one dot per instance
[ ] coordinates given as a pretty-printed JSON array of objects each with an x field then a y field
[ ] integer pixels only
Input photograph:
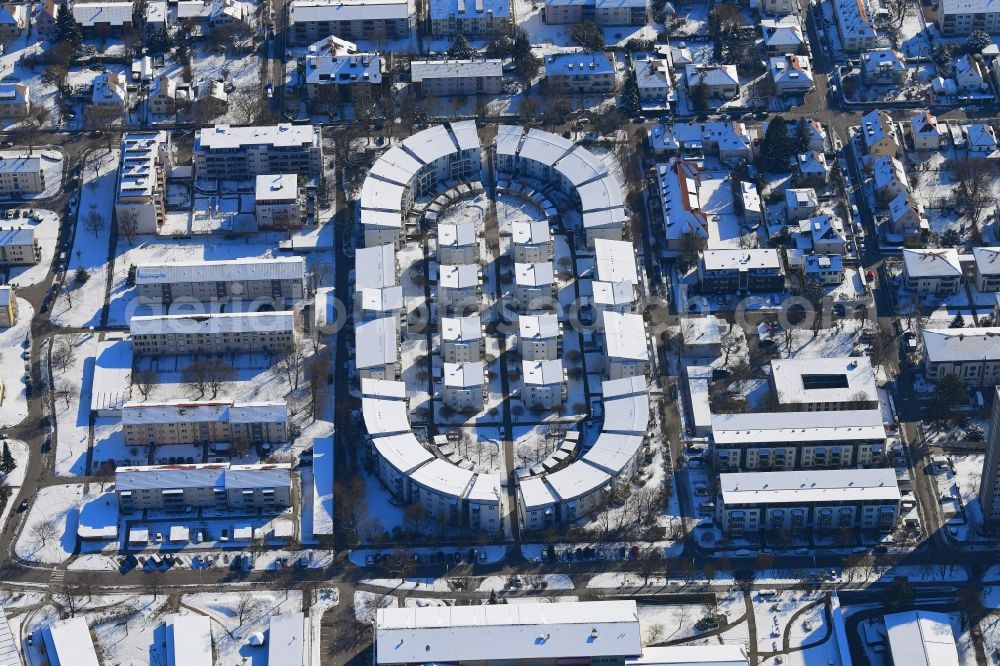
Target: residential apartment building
[
  {"x": 472, "y": 18},
  {"x": 972, "y": 354},
  {"x": 534, "y": 286},
  {"x": 220, "y": 333},
  {"x": 797, "y": 440},
  {"x": 277, "y": 203},
  {"x": 800, "y": 203},
  {"x": 906, "y": 216},
  {"x": 602, "y": 12},
  {"x": 828, "y": 270},
  {"x": 581, "y": 72},
  {"x": 460, "y": 288},
  {"x": 960, "y": 17},
  {"x": 817, "y": 501},
  {"x": 441, "y": 78},
  {"x": 18, "y": 247},
  {"x": 741, "y": 271},
  {"x": 15, "y": 100},
  {"x": 539, "y": 337},
  {"x": 276, "y": 279},
  {"x": 312, "y": 20},
  {"x": 225, "y": 152},
  {"x": 465, "y": 386},
  {"x": 458, "y": 243},
  {"x": 828, "y": 383},
  {"x": 21, "y": 175},
  {"x": 856, "y": 23},
  {"x": 377, "y": 291},
  {"x": 531, "y": 242},
  {"x": 989, "y": 482},
  {"x": 220, "y": 486},
  {"x": 13, "y": 19},
  {"x": 720, "y": 81},
  {"x": 932, "y": 271},
  {"x": 140, "y": 201},
  {"x": 203, "y": 422},
  {"x": 543, "y": 384},
  {"x": 462, "y": 339},
  {"x": 337, "y": 79},
  {"x": 103, "y": 19},
  {"x": 377, "y": 352},
  {"x": 625, "y": 345},
  {"x": 8, "y": 310},
  {"x": 655, "y": 80},
  {"x": 986, "y": 263}
]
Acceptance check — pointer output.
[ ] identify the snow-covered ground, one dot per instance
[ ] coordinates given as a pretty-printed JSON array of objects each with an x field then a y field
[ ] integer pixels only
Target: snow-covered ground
[
  {"x": 80, "y": 305},
  {"x": 367, "y": 603},
  {"x": 73, "y": 419},
  {"x": 237, "y": 616},
  {"x": 49, "y": 533}
]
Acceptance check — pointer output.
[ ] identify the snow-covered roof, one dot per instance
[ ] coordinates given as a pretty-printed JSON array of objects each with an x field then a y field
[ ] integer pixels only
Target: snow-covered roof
[
  {"x": 207, "y": 475},
  {"x": 17, "y": 236},
  {"x": 458, "y": 276},
  {"x": 385, "y": 299},
  {"x": 375, "y": 267},
  {"x": 485, "y": 488},
  {"x": 987, "y": 260},
  {"x": 68, "y": 643},
  {"x": 577, "y": 480},
  {"x": 823, "y": 263},
  {"x": 941, "y": 262},
  {"x": 16, "y": 94},
  {"x": 613, "y": 293},
  {"x": 403, "y": 452},
  {"x": 652, "y": 73},
  {"x": 712, "y": 75},
  {"x": 431, "y": 144},
  {"x": 921, "y": 638},
  {"x": 89, "y": 14},
  {"x": 540, "y": 327},
  {"x": 395, "y": 166},
  {"x": 215, "y": 323},
  {"x": 627, "y": 414},
  {"x": 741, "y": 259},
  {"x": 624, "y": 387},
  {"x": 968, "y": 7},
  {"x": 276, "y": 187},
  {"x": 190, "y": 639},
  {"x": 9, "y": 654},
  {"x": 678, "y": 186},
  {"x": 442, "y": 634},
  {"x": 784, "y": 32},
  {"x": 925, "y": 123},
  {"x": 309, "y": 11},
  {"x": 443, "y": 478},
  {"x": 812, "y": 162},
  {"x": 229, "y": 270},
  {"x": 801, "y": 427},
  {"x": 615, "y": 261},
  {"x": 949, "y": 345},
  {"x": 376, "y": 342},
  {"x": 466, "y": 135},
  {"x": 578, "y": 63},
  {"x": 750, "y": 198},
  {"x": 877, "y": 61},
  {"x": 508, "y": 139},
  {"x": 525, "y": 232},
  {"x": 701, "y": 330},
  {"x": 824, "y": 227},
  {"x": 469, "y": 374},
  {"x": 855, "y": 19},
  {"x": 625, "y": 336},
  {"x": 461, "y": 329},
  {"x": 840, "y": 486},
  {"x": 140, "y": 153},
  {"x": 457, "y": 235},
  {"x": 822, "y": 379},
  {"x": 228, "y": 137},
  {"x": 534, "y": 275},
  {"x": 6, "y": 295},
  {"x": 535, "y": 493},
  {"x": 384, "y": 417},
  {"x": 544, "y": 147},
  {"x": 791, "y": 70},
  {"x": 542, "y": 373},
  {"x": 333, "y": 46},
  {"x": 454, "y": 69},
  {"x": 204, "y": 411},
  {"x": 109, "y": 87},
  {"x": 876, "y": 125},
  {"x": 981, "y": 136},
  {"x": 888, "y": 170},
  {"x": 801, "y": 197},
  {"x": 383, "y": 388},
  {"x": 613, "y": 452},
  {"x": 286, "y": 638},
  {"x": 468, "y": 9},
  {"x": 343, "y": 69}
]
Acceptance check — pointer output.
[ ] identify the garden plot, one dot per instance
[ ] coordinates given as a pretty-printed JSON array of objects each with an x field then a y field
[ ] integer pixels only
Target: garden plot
[
  {"x": 147, "y": 249},
  {"x": 72, "y": 407},
  {"x": 236, "y": 617},
  {"x": 13, "y": 366},
  {"x": 512, "y": 209},
  {"x": 49, "y": 534},
  {"x": 80, "y": 304},
  {"x": 479, "y": 446},
  {"x": 45, "y": 224}
]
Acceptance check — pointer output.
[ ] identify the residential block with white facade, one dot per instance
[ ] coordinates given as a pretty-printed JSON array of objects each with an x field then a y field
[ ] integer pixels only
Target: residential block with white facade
[{"x": 240, "y": 153}]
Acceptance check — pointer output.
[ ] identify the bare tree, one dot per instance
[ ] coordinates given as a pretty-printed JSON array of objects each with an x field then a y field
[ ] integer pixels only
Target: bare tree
[
  {"x": 44, "y": 532},
  {"x": 240, "y": 445},
  {"x": 247, "y": 104},
  {"x": 128, "y": 223},
  {"x": 372, "y": 603},
  {"x": 975, "y": 177},
  {"x": 650, "y": 562},
  {"x": 247, "y": 606},
  {"x": 94, "y": 222},
  {"x": 894, "y": 13},
  {"x": 291, "y": 363},
  {"x": 730, "y": 343},
  {"x": 218, "y": 374},
  {"x": 63, "y": 355},
  {"x": 317, "y": 371},
  {"x": 67, "y": 391},
  {"x": 198, "y": 375},
  {"x": 144, "y": 381},
  {"x": 30, "y": 125}
]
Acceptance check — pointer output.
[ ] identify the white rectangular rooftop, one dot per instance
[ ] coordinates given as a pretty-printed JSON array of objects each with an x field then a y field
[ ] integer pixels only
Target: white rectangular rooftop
[
  {"x": 615, "y": 261},
  {"x": 921, "y": 638},
  {"x": 809, "y": 486},
  {"x": 625, "y": 336}
]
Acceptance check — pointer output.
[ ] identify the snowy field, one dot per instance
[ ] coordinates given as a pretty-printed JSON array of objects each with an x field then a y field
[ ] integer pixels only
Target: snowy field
[
  {"x": 73, "y": 417},
  {"x": 236, "y": 617},
  {"x": 13, "y": 365},
  {"x": 49, "y": 533}
]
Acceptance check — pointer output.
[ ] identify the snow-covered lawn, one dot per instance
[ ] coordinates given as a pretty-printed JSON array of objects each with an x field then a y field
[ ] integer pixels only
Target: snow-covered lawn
[
  {"x": 73, "y": 419},
  {"x": 49, "y": 533},
  {"x": 366, "y": 604},
  {"x": 232, "y": 629},
  {"x": 14, "y": 406},
  {"x": 78, "y": 304},
  {"x": 546, "y": 581}
]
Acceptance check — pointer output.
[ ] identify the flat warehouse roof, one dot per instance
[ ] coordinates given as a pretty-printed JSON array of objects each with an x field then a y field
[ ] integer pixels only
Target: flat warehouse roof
[
  {"x": 473, "y": 633},
  {"x": 809, "y": 486}
]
